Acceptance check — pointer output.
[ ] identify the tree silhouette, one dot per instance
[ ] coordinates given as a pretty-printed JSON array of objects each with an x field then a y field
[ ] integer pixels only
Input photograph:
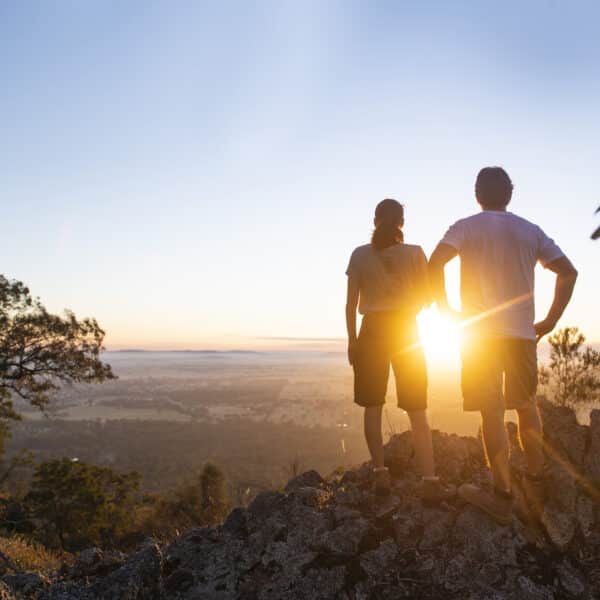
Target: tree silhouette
[
  {"x": 573, "y": 376},
  {"x": 40, "y": 351},
  {"x": 79, "y": 504},
  {"x": 215, "y": 504}
]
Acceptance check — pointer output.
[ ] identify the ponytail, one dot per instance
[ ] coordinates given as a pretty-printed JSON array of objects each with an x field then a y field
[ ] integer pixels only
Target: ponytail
[
  {"x": 386, "y": 234},
  {"x": 389, "y": 216}
]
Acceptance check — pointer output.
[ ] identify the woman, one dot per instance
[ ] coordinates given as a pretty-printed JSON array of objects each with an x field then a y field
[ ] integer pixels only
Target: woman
[{"x": 387, "y": 281}]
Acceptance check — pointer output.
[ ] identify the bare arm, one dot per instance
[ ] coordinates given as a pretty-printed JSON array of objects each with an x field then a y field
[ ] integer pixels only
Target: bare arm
[
  {"x": 566, "y": 275},
  {"x": 351, "y": 305},
  {"x": 443, "y": 254}
]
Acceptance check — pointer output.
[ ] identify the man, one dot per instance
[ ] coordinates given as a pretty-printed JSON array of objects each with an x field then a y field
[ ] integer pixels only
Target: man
[{"x": 498, "y": 253}]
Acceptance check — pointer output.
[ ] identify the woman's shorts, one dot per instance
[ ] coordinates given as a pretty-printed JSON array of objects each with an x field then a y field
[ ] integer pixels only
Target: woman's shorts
[{"x": 390, "y": 339}]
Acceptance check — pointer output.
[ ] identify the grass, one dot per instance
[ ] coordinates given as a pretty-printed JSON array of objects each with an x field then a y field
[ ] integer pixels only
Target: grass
[{"x": 28, "y": 555}]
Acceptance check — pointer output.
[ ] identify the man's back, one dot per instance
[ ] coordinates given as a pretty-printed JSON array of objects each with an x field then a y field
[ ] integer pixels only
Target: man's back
[{"x": 498, "y": 252}]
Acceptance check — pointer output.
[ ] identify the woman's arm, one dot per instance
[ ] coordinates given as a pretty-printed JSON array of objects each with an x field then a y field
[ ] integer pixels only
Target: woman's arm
[
  {"x": 351, "y": 305},
  {"x": 443, "y": 254}
]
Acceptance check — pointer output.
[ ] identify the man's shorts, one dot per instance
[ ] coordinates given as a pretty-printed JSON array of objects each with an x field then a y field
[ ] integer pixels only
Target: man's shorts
[
  {"x": 385, "y": 339},
  {"x": 498, "y": 372}
]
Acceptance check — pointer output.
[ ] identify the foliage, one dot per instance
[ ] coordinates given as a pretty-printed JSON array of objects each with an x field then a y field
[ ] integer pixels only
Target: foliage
[
  {"x": 201, "y": 501},
  {"x": 213, "y": 495},
  {"x": 573, "y": 376},
  {"x": 28, "y": 555},
  {"x": 80, "y": 504},
  {"x": 40, "y": 351}
]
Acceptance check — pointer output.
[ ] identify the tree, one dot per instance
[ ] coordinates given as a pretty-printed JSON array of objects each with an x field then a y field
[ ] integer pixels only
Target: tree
[
  {"x": 201, "y": 501},
  {"x": 214, "y": 501},
  {"x": 573, "y": 376},
  {"x": 80, "y": 504},
  {"x": 40, "y": 351}
]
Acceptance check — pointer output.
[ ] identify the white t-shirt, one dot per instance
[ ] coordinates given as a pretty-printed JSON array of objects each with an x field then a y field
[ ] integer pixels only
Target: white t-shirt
[
  {"x": 392, "y": 279},
  {"x": 498, "y": 253}
]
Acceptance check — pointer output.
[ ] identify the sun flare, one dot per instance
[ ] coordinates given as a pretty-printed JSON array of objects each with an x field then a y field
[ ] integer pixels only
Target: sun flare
[{"x": 440, "y": 338}]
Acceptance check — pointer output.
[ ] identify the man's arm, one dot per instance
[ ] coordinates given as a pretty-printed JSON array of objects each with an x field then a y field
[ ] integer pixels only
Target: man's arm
[
  {"x": 351, "y": 304},
  {"x": 566, "y": 275},
  {"x": 443, "y": 254}
]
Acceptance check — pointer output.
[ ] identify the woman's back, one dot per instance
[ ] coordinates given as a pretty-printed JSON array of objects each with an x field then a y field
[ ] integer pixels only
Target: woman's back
[{"x": 390, "y": 279}]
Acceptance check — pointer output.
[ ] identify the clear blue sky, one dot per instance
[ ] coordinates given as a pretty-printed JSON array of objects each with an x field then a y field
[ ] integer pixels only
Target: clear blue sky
[{"x": 192, "y": 172}]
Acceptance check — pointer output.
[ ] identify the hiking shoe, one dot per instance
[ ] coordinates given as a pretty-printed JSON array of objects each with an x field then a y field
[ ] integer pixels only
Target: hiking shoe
[
  {"x": 497, "y": 505},
  {"x": 432, "y": 489},
  {"x": 381, "y": 481},
  {"x": 534, "y": 489}
]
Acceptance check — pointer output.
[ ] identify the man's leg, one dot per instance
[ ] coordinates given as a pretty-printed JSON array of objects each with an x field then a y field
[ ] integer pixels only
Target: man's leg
[
  {"x": 495, "y": 443},
  {"x": 498, "y": 504},
  {"x": 530, "y": 435},
  {"x": 373, "y": 434}
]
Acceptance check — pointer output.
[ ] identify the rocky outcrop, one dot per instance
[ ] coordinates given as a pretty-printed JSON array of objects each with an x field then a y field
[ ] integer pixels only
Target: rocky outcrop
[{"x": 321, "y": 539}]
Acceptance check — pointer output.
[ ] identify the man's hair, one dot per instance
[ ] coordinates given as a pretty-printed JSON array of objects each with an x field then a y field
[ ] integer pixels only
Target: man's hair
[{"x": 493, "y": 187}]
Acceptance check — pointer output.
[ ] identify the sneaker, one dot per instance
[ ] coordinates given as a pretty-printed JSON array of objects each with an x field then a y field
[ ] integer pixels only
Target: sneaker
[
  {"x": 381, "y": 481},
  {"x": 495, "y": 505},
  {"x": 432, "y": 489}
]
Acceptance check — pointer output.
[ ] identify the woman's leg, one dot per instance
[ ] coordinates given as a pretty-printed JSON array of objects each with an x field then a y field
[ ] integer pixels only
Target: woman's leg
[
  {"x": 373, "y": 434},
  {"x": 421, "y": 435}
]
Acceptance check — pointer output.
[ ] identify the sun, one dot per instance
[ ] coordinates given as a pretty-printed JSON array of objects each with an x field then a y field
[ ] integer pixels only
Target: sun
[{"x": 440, "y": 338}]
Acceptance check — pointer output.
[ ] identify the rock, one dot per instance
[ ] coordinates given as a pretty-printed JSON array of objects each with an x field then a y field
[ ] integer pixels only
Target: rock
[
  {"x": 95, "y": 561},
  {"x": 374, "y": 562},
  {"x": 140, "y": 578},
  {"x": 386, "y": 507},
  {"x": 63, "y": 590},
  {"x": 592, "y": 457},
  {"x": 308, "y": 479},
  {"x": 453, "y": 458},
  {"x": 179, "y": 581},
  {"x": 482, "y": 540},
  {"x": 360, "y": 476},
  {"x": 405, "y": 526},
  {"x": 527, "y": 589},
  {"x": 343, "y": 513},
  {"x": 559, "y": 526},
  {"x": 399, "y": 454},
  {"x": 25, "y": 584},
  {"x": 5, "y": 593},
  {"x": 264, "y": 505},
  {"x": 436, "y": 528},
  {"x": 336, "y": 540},
  {"x": 562, "y": 434},
  {"x": 311, "y": 496},
  {"x": 585, "y": 515},
  {"x": 316, "y": 584},
  {"x": 235, "y": 524},
  {"x": 458, "y": 574},
  {"x": 344, "y": 541},
  {"x": 559, "y": 515},
  {"x": 571, "y": 580}
]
